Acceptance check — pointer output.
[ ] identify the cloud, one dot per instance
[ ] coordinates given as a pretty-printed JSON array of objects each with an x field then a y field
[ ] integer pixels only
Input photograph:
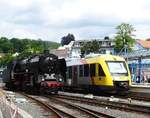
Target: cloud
[{"x": 52, "y": 19}]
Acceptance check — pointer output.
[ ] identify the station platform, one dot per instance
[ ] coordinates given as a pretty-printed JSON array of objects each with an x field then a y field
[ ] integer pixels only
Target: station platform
[
  {"x": 140, "y": 89},
  {"x": 141, "y": 85},
  {"x": 1, "y": 94},
  {"x": 9, "y": 109}
]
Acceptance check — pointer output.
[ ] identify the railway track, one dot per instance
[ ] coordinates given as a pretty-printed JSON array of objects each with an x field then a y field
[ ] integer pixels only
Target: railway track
[
  {"x": 141, "y": 98},
  {"x": 91, "y": 113},
  {"x": 105, "y": 103},
  {"x": 56, "y": 113},
  {"x": 134, "y": 97},
  {"x": 76, "y": 111}
]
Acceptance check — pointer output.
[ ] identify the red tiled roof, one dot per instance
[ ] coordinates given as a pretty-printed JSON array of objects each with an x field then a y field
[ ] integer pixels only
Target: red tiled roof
[{"x": 143, "y": 43}]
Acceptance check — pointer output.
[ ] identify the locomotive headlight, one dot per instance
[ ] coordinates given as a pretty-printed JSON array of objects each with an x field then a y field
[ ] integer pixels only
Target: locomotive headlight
[
  {"x": 50, "y": 58},
  {"x": 60, "y": 79}
]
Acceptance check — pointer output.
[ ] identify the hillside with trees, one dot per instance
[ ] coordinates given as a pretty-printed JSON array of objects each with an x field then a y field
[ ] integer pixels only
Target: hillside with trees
[
  {"x": 19, "y": 45},
  {"x": 24, "y": 47}
]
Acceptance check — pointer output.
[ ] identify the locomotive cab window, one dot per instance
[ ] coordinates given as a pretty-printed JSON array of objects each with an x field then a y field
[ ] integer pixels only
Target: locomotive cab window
[
  {"x": 100, "y": 70},
  {"x": 92, "y": 69},
  {"x": 86, "y": 70}
]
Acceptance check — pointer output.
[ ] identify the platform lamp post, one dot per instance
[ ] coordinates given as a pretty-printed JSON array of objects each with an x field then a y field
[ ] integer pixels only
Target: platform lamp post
[
  {"x": 126, "y": 51},
  {"x": 125, "y": 44},
  {"x": 140, "y": 70}
]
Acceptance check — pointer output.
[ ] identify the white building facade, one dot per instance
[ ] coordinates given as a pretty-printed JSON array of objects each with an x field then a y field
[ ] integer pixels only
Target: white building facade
[{"x": 106, "y": 46}]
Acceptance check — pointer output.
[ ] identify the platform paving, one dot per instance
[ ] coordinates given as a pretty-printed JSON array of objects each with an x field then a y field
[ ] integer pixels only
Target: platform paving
[
  {"x": 141, "y": 85},
  {"x": 1, "y": 95},
  {"x": 140, "y": 89},
  {"x": 1, "y": 115},
  {"x": 9, "y": 104}
]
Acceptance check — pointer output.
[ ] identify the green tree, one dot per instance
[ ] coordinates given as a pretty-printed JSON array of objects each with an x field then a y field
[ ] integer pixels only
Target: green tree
[
  {"x": 5, "y": 45},
  {"x": 24, "y": 54},
  {"x": 148, "y": 39},
  {"x": 37, "y": 46},
  {"x": 90, "y": 47},
  {"x": 25, "y": 48},
  {"x": 17, "y": 45},
  {"x": 124, "y": 37},
  {"x": 67, "y": 39},
  {"x": 6, "y": 59}
]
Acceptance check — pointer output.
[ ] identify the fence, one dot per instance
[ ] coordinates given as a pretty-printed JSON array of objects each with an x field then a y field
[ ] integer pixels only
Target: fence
[
  {"x": 7, "y": 107},
  {"x": 137, "y": 76}
]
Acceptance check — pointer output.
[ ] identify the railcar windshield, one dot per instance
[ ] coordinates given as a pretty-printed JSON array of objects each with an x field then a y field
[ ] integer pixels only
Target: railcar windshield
[{"x": 117, "y": 67}]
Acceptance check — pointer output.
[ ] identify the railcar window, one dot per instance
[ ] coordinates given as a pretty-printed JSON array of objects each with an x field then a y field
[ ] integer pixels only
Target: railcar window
[
  {"x": 81, "y": 70},
  {"x": 100, "y": 70},
  {"x": 86, "y": 70},
  {"x": 92, "y": 69},
  {"x": 117, "y": 67},
  {"x": 70, "y": 71}
]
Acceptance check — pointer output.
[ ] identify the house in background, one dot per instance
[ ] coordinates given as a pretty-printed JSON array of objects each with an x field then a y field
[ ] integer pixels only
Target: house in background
[
  {"x": 106, "y": 46},
  {"x": 141, "y": 45},
  {"x": 63, "y": 51},
  {"x": 140, "y": 68},
  {"x": 73, "y": 49}
]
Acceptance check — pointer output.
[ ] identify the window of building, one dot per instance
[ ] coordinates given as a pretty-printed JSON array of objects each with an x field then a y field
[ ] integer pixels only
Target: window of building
[
  {"x": 86, "y": 70},
  {"x": 100, "y": 70},
  {"x": 81, "y": 70},
  {"x": 92, "y": 69}
]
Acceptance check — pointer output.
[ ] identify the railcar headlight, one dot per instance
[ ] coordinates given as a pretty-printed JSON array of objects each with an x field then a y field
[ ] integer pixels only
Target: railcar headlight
[
  {"x": 122, "y": 83},
  {"x": 116, "y": 78}
]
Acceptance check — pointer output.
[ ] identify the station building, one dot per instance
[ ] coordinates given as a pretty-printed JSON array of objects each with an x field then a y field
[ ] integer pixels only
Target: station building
[{"x": 139, "y": 62}]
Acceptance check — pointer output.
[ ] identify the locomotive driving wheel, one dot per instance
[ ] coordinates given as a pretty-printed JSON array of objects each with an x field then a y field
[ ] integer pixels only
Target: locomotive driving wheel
[{"x": 42, "y": 90}]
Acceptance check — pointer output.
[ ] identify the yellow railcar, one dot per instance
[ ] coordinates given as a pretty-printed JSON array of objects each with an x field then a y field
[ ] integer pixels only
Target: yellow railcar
[{"x": 100, "y": 72}]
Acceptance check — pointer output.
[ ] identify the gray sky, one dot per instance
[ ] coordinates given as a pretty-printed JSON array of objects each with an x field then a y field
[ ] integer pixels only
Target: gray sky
[{"x": 53, "y": 19}]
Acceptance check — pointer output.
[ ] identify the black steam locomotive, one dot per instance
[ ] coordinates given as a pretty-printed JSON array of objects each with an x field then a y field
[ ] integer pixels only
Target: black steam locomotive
[{"x": 38, "y": 73}]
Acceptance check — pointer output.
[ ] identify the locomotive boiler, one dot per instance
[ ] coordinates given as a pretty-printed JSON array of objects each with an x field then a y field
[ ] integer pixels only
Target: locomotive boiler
[{"x": 38, "y": 73}]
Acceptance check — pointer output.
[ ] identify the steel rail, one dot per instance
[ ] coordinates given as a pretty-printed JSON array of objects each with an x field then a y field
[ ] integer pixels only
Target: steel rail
[
  {"x": 56, "y": 111},
  {"x": 93, "y": 113},
  {"x": 102, "y": 103}
]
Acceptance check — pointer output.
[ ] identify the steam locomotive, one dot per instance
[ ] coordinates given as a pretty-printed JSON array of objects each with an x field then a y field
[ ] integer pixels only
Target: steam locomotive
[{"x": 38, "y": 73}]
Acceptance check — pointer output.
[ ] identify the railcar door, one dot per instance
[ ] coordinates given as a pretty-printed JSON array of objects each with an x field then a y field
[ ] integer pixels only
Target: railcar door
[{"x": 74, "y": 77}]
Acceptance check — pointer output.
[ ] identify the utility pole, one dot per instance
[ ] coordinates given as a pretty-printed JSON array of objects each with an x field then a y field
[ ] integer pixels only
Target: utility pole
[
  {"x": 125, "y": 43},
  {"x": 126, "y": 51}
]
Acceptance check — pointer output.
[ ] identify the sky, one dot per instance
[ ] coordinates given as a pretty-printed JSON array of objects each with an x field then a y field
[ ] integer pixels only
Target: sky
[{"x": 85, "y": 19}]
